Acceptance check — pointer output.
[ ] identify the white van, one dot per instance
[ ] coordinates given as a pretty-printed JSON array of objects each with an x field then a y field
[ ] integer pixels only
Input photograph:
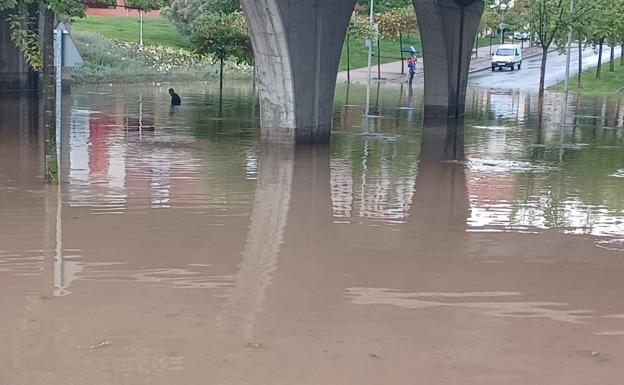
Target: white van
[{"x": 507, "y": 56}]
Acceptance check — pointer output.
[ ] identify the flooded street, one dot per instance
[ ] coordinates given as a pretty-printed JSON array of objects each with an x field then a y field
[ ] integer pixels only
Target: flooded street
[{"x": 178, "y": 250}]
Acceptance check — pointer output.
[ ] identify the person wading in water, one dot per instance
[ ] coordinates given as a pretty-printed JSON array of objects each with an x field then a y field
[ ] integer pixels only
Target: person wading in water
[{"x": 175, "y": 98}]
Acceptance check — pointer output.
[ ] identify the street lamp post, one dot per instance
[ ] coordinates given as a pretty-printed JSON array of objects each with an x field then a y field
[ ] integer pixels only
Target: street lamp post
[
  {"x": 141, "y": 33},
  {"x": 569, "y": 51},
  {"x": 502, "y": 8},
  {"x": 370, "y": 56}
]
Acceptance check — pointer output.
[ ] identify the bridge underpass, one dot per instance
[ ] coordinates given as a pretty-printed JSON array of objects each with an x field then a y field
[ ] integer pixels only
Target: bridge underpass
[{"x": 297, "y": 45}]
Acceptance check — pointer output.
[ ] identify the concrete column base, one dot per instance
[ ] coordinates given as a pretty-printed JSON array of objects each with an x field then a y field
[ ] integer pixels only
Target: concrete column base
[
  {"x": 447, "y": 29},
  {"x": 297, "y": 45}
]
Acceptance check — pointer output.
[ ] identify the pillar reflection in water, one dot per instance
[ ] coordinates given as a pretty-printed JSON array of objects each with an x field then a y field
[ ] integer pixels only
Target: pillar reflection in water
[
  {"x": 291, "y": 205},
  {"x": 443, "y": 139},
  {"x": 441, "y": 207},
  {"x": 262, "y": 247}
]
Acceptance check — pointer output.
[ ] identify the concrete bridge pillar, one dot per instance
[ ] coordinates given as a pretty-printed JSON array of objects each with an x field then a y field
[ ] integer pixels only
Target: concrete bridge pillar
[
  {"x": 447, "y": 31},
  {"x": 297, "y": 45}
]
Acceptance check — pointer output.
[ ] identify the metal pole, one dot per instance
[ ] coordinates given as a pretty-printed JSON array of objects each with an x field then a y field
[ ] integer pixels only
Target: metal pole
[
  {"x": 502, "y": 24},
  {"x": 141, "y": 37},
  {"x": 370, "y": 57},
  {"x": 58, "y": 72},
  {"x": 567, "y": 76}
]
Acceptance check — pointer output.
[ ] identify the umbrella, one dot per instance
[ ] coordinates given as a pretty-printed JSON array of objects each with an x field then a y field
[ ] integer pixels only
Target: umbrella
[{"x": 410, "y": 49}]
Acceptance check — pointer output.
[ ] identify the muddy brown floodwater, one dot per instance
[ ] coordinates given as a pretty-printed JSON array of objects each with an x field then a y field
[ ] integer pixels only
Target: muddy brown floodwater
[{"x": 178, "y": 250}]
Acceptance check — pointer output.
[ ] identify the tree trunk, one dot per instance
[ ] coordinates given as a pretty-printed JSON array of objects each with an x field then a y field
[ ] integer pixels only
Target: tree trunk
[
  {"x": 48, "y": 94},
  {"x": 348, "y": 58},
  {"x": 599, "y": 68},
  {"x": 540, "y": 102},
  {"x": 580, "y": 63},
  {"x": 222, "y": 64},
  {"x": 378, "y": 59},
  {"x": 612, "y": 58},
  {"x": 491, "y": 42},
  {"x": 622, "y": 53},
  {"x": 402, "y": 56}
]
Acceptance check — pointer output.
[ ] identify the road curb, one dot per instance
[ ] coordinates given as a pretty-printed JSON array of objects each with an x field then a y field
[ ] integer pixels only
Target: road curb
[{"x": 489, "y": 67}]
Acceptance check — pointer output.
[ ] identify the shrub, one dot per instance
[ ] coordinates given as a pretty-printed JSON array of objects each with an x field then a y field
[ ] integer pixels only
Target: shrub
[{"x": 109, "y": 61}]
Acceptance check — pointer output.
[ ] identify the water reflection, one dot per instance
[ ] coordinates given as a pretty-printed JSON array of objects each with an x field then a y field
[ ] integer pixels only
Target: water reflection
[
  {"x": 262, "y": 246},
  {"x": 189, "y": 251}
]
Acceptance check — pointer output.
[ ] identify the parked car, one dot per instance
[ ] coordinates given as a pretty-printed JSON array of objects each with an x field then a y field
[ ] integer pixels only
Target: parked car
[
  {"x": 521, "y": 36},
  {"x": 507, "y": 56}
]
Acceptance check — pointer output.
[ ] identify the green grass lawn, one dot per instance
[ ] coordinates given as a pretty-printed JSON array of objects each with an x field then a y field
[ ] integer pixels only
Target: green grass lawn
[
  {"x": 390, "y": 51},
  {"x": 156, "y": 31},
  {"x": 608, "y": 82},
  {"x": 160, "y": 31}
]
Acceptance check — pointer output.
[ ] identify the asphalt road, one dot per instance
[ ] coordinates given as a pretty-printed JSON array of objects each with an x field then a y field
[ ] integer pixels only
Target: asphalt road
[{"x": 529, "y": 75}]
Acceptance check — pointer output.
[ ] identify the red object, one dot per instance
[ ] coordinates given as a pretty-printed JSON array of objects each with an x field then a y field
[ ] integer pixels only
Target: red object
[{"x": 118, "y": 10}]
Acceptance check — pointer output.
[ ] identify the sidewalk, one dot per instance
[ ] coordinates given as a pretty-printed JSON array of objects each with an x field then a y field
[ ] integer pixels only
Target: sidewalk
[{"x": 391, "y": 72}]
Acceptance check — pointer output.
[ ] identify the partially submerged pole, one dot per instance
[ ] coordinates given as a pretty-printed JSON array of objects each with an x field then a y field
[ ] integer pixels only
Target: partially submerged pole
[
  {"x": 48, "y": 94},
  {"x": 370, "y": 57}
]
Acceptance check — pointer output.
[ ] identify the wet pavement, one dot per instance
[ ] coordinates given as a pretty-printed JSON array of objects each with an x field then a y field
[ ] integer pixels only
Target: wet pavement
[
  {"x": 178, "y": 250},
  {"x": 528, "y": 77}
]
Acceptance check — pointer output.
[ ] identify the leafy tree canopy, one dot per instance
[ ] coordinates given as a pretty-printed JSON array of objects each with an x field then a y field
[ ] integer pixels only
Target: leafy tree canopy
[
  {"x": 147, "y": 5},
  {"x": 23, "y": 19}
]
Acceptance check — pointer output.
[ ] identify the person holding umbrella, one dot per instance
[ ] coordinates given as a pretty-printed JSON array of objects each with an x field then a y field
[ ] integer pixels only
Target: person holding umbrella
[
  {"x": 411, "y": 62},
  {"x": 411, "y": 67}
]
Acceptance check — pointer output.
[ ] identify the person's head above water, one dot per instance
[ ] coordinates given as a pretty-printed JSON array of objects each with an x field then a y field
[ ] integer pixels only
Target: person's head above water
[{"x": 171, "y": 91}]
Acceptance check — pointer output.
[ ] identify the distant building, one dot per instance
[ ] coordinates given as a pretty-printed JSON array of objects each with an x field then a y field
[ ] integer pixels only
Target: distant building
[{"x": 113, "y": 8}]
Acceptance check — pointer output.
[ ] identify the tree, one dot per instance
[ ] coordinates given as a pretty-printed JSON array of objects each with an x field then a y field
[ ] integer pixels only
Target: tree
[
  {"x": 183, "y": 13},
  {"x": 503, "y": 7},
  {"x": 145, "y": 6},
  {"x": 223, "y": 35},
  {"x": 383, "y": 5},
  {"x": 394, "y": 23},
  {"x": 551, "y": 19},
  {"x": 518, "y": 19},
  {"x": 490, "y": 20},
  {"x": 603, "y": 28},
  {"x": 358, "y": 29},
  {"x": 23, "y": 17}
]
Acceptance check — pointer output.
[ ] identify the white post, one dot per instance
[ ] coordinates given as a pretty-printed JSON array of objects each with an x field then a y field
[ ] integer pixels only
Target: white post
[
  {"x": 141, "y": 36},
  {"x": 370, "y": 56},
  {"x": 566, "y": 87},
  {"x": 502, "y": 26},
  {"x": 141, "y": 117},
  {"x": 567, "y": 75},
  {"x": 58, "y": 72}
]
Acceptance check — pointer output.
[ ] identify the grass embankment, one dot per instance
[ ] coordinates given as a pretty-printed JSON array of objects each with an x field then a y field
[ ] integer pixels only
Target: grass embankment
[
  {"x": 160, "y": 31},
  {"x": 156, "y": 30},
  {"x": 608, "y": 82},
  {"x": 110, "y": 49}
]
